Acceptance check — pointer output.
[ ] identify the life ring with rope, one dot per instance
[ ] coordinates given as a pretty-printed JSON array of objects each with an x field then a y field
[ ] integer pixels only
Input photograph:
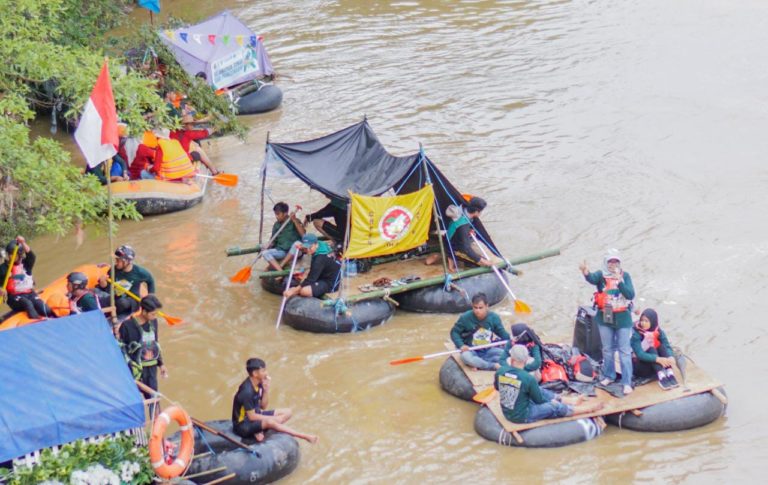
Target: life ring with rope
[{"x": 162, "y": 468}]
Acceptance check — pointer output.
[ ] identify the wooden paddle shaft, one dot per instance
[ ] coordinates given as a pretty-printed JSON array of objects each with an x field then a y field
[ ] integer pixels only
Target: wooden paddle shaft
[{"x": 197, "y": 422}]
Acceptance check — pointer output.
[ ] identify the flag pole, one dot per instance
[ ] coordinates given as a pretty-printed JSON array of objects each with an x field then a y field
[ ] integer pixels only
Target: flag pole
[
  {"x": 435, "y": 214},
  {"x": 108, "y": 174}
]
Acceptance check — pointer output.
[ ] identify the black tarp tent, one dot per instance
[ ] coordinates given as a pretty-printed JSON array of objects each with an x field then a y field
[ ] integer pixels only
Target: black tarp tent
[{"x": 353, "y": 159}]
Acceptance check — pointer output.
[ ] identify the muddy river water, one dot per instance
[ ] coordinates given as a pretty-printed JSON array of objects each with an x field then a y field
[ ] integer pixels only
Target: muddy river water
[{"x": 586, "y": 125}]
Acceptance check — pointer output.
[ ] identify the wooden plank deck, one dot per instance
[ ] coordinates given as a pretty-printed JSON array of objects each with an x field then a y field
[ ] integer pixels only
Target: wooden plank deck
[
  {"x": 697, "y": 381},
  {"x": 396, "y": 270}
]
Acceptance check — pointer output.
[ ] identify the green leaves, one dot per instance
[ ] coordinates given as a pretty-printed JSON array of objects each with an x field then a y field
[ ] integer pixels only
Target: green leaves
[{"x": 112, "y": 454}]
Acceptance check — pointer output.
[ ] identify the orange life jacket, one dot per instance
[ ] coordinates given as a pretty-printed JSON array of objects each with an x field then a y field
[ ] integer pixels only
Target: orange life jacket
[
  {"x": 655, "y": 339},
  {"x": 611, "y": 294},
  {"x": 175, "y": 163}
]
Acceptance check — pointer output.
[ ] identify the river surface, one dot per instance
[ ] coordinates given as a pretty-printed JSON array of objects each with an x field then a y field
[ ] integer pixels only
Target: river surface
[{"x": 638, "y": 125}]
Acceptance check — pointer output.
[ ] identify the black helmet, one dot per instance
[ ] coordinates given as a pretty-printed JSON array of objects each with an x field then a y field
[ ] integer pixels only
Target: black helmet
[
  {"x": 125, "y": 252},
  {"x": 11, "y": 246},
  {"x": 78, "y": 280}
]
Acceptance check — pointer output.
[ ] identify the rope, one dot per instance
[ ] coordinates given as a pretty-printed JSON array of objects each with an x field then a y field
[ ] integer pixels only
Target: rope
[
  {"x": 201, "y": 433},
  {"x": 440, "y": 212},
  {"x": 405, "y": 179}
]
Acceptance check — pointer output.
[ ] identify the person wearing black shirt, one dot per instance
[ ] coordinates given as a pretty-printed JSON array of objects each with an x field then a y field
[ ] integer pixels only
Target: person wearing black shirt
[
  {"x": 335, "y": 209},
  {"x": 140, "y": 342},
  {"x": 323, "y": 276},
  {"x": 249, "y": 415}
]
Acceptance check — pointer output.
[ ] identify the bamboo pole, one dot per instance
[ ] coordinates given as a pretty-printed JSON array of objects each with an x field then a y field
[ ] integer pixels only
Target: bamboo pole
[
  {"x": 439, "y": 280},
  {"x": 238, "y": 251},
  {"x": 435, "y": 212},
  {"x": 108, "y": 174},
  {"x": 278, "y": 274}
]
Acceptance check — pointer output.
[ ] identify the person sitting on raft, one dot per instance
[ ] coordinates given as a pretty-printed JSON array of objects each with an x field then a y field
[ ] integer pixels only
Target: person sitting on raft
[
  {"x": 250, "y": 418},
  {"x": 479, "y": 326},
  {"x": 139, "y": 154},
  {"x": 129, "y": 276},
  {"x": 81, "y": 299},
  {"x": 188, "y": 136},
  {"x": 653, "y": 351},
  {"x": 284, "y": 239},
  {"x": 522, "y": 334},
  {"x": 614, "y": 320},
  {"x": 171, "y": 162},
  {"x": 523, "y": 401},
  {"x": 140, "y": 341},
  {"x": 336, "y": 209},
  {"x": 118, "y": 170},
  {"x": 323, "y": 276},
  {"x": 20, "y": 288},
  {"x": 458, "y": 236}
]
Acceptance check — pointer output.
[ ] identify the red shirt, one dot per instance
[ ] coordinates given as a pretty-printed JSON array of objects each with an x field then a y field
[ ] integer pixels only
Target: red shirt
[
  {"x": 144, "y": 156},
  {"x": 186, "y": 137}
]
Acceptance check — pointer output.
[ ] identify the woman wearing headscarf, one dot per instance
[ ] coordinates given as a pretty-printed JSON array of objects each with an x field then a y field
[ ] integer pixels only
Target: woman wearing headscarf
[
  {"x": 653, "y": 351},
  {"x": 522, "y": 334},
  {"x": 614, "y": 320}
]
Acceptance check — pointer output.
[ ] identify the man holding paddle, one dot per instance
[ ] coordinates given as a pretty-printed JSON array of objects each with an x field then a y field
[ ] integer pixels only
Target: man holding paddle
[
  {"x": 129, "y": 276},
  {"x": 284, "y": 237},
  {"x": 249, "y": 415},
  {"x": 477, "y": 327}
]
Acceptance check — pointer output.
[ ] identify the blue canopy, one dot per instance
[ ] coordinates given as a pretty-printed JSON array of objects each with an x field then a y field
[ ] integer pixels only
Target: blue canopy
[{"x": 63, "y": 380}]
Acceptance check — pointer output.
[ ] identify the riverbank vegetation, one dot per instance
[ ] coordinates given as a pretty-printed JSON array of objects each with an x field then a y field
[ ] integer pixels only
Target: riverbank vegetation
[{"x": 52, "y": 52}]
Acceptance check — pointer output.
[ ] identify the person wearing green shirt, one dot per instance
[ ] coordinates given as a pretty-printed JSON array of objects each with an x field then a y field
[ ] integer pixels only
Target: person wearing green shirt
[
  {"x": 81, "y": 299},
  {"x": 523, "y": 401},
  {"x": 614, "y": 316},
  {"x": 285, "y": 233},
  {"x": 524, "y": 335},
  {"x": 653, "y": 351},
  {"x": 479, "y": 326},
  {"x": 128, "y": 276}
]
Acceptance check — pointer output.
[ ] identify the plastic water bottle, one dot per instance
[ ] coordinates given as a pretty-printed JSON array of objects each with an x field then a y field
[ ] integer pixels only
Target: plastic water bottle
[{"x": 351, "y": 267}]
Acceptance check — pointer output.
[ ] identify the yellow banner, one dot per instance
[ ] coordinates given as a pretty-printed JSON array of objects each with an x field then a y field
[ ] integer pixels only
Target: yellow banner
[{"x": 388, "y": 225}]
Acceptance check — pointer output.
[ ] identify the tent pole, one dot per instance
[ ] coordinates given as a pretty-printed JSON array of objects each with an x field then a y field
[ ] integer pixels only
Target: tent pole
[
  {"x": 435, "y": 214},
  {"x": 345, "y": 260},
  {"x": 263, "y": 186}
]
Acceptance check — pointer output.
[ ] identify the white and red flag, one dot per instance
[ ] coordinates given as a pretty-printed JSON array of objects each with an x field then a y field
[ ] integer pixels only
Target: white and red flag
[{"x": 96, "y": 134}]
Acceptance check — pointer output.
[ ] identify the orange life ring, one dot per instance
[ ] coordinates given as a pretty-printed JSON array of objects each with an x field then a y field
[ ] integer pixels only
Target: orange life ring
[{"x": 156, "y": 455}]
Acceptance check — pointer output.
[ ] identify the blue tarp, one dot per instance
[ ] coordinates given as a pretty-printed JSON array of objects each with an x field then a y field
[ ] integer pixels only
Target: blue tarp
[{"x": 63, "y": 380}]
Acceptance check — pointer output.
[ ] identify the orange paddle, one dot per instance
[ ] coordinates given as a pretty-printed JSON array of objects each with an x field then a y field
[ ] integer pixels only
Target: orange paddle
[
  {"x": 447, "y": 352},
  {"x": 520, "y": 306},
  {"x": 485, "y": 396},
  {"x": 226, "y": 179}
]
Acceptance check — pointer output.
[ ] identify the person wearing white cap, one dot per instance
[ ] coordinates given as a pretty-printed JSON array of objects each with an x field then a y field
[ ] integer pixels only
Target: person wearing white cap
[
  {"x": 613, "y": 300},
  {"x": 523, "y": 401}
]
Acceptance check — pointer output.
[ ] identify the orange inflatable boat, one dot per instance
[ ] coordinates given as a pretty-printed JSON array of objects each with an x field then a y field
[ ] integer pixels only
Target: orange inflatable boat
[{"x": 55, "y": 295}]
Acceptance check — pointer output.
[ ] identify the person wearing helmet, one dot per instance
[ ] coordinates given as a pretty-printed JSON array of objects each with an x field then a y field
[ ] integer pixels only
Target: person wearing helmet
[
  {"x": 20, "y": 289},
  {"x": 81, "y": 299},
  {"x": 140, "y": 342},
  {"x": 523, "y": 401},
  {"x": 614, "y": 316},
  {"x": 129, "y": 276}
]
